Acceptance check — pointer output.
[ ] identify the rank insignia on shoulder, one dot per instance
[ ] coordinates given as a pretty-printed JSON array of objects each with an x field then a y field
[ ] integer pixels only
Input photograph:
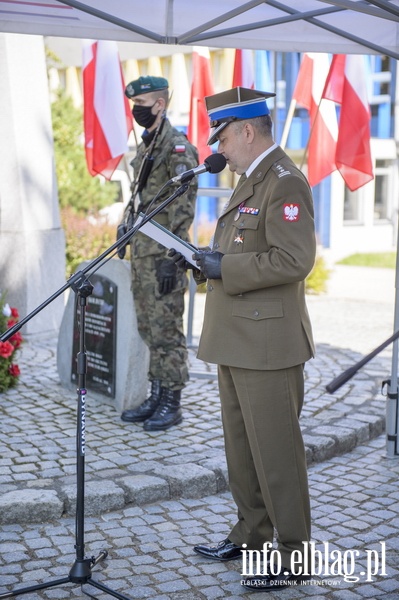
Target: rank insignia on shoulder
[
  {"x": 180, "y": 148},
  {"x": 291, "y": 212},
  {"x": 280, "y": 171}
]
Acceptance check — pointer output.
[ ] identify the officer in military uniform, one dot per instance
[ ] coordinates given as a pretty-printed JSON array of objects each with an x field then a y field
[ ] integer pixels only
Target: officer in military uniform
[
  {"x": 257, "y": 330},
  {"x": 158, "y": 286}
]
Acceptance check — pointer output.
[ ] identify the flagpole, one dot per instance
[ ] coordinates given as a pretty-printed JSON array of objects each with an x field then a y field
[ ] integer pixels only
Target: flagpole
[
  {"x": 275, "y": 112},
  {"x": 288, "y": 123},
  {"x": 305, "y": 152}
]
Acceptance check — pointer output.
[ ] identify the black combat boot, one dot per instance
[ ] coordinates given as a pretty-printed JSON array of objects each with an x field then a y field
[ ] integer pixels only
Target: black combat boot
[
  {"x": 168, "y": 412},
  {"x": 149, "y": 406}
]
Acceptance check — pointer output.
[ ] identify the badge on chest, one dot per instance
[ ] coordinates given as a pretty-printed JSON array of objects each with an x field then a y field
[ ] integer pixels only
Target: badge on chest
[
  {"x": 245, "y": 210},
  {"x": 239, "y": 238}
]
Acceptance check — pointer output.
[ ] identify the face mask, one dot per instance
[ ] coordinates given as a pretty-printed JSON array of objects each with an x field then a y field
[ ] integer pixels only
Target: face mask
[{"x": 143, "y": 115}]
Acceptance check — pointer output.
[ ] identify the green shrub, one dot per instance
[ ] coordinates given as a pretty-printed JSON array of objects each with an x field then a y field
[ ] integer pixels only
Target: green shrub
[
  {"x": 80, "y": 194},
  {"x": 76, "y": 187},
  {"x": 85, "y": 239},
  {"x": 316, "y": 281}
]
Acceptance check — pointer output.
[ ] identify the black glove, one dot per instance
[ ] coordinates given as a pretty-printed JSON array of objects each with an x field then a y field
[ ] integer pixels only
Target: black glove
[
  {"x": 121, "y": 230},
  {"x": 179, "y": 260},
  {"x": 166, "y": 276},
  {"x": 210, "y": 263}
]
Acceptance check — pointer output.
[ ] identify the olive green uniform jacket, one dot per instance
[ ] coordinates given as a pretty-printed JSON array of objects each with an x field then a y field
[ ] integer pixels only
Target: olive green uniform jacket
[{"x": 256, "y": 315}]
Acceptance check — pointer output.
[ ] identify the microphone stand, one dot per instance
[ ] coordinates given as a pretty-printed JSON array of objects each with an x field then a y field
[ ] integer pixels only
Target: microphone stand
[
  {"x": 81, "y": 571},
  {"x": 339, "y": 381}
]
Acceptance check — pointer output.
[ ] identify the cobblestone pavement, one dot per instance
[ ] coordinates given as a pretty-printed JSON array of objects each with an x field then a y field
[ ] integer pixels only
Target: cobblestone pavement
[
  {"x": 355, "y": 507},
  {"x": 151, "y": 495}
]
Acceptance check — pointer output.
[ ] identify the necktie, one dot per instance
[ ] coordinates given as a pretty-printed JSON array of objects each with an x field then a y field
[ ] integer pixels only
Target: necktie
[{"x": 240, "y": 183}]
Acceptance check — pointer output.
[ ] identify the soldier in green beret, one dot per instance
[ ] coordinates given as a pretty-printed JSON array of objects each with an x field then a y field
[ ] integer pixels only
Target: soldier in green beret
[{"x": 158, "y": 285}]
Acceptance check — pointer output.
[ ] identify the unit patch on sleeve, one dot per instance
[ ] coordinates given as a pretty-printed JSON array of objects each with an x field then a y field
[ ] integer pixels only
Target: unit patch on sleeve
[
  {"x": 180, "y": 168},
  {"x": 291, "y": 212}
]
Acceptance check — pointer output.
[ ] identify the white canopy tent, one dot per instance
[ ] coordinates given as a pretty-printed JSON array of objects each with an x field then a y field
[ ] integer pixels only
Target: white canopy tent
[{"x": 334, "y": 26}]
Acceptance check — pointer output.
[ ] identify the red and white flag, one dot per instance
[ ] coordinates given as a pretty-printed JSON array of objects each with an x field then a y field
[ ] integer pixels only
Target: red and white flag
[
  {"x": 346, "y": 85},
  {"x": 323, "y": 119},
  {"x": 107, "y": 115},
  {"x": 202, "y": 85},
  {"x": 244, "y": 72}
]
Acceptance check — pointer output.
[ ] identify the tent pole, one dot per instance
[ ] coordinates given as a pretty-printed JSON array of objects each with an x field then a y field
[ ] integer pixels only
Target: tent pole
[
  {"x": 392, "y": 408},
  {"x": 392, "y": 412}
]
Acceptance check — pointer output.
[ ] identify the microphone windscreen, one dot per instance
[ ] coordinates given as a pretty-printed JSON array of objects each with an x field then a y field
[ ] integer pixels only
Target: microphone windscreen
[{"x": 215, "y": 163}]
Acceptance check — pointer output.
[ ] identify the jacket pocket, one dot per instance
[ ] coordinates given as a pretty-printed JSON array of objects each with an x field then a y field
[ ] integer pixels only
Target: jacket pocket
[
  {"x": 247, "y": 222},
  {"x": 245, "y": 234},
  {"x": 257, "y": 311}
]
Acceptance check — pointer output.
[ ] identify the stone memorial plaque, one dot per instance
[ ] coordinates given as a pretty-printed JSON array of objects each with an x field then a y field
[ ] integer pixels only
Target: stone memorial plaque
[
  {"x": 100, "y": 336},
  {"x": 117, "y": 356}
]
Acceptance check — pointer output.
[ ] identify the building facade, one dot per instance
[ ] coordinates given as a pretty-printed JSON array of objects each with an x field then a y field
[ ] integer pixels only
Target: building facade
[{"x": 346, "y": 222}]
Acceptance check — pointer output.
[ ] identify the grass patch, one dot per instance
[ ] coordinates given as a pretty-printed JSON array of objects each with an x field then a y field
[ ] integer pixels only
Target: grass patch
[{"x": 384, "y": 260}]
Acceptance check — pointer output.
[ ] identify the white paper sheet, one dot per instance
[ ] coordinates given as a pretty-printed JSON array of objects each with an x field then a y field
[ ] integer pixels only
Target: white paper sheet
[{"x": 168, "y": 239}]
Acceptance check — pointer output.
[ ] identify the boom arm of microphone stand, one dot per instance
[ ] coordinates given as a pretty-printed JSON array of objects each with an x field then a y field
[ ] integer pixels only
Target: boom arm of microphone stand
[
  {"x": 182, "y": 189},
  {"x": 78, "y": 278},
  {"x": 339, "y": 381}
]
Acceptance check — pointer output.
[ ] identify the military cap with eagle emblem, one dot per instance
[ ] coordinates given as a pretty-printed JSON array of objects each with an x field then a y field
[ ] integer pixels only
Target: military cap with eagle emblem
[{"x": 236, "y": 104}]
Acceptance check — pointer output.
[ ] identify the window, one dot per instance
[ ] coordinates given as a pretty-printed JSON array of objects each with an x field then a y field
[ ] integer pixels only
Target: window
[
  {"x": 352, "y": 207},
  {"x": 381, "y": 190}
]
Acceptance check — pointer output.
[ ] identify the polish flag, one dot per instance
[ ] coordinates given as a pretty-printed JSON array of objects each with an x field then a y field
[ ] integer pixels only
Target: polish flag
[
  {"x": 346, "y": 85},
  {"x": 107, "y": 115},
  {"x": 202, "y": 85},
  {"x": 323, "y": 119},
  {"x": 244, "y": 73}
]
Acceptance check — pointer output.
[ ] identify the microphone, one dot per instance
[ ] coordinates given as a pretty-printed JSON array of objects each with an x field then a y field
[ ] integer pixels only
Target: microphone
[{"x": 213, "y": 164}]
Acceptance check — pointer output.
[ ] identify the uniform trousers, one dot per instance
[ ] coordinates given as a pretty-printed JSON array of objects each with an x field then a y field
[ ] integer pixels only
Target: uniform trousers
[
  {"x": 160, "y": 323},
  {"x": 266, "y": 457}
]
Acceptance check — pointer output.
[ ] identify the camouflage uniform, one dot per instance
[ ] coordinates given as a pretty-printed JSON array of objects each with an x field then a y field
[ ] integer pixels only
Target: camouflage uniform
[{"x": 160, "y": 317}]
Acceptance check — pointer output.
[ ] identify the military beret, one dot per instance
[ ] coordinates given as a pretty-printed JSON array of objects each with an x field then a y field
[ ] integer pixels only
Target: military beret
[
  {"x": 144, "y": 85},
  {"x": 233, "y": 105}
]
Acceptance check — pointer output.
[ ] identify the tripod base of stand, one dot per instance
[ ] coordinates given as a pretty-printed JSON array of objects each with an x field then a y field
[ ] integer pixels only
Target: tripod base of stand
[{"x": 80, "y": 573}]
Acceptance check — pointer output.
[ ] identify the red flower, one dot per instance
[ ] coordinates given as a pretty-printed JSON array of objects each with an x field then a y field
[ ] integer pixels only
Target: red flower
[
  {"x": 14, "y": 313},
  {"x": 11, "y": 323},
  {"x": 14, "y": 370},
  {"x": 6, "y": 349},
  {"x": 16, "y": 340}
]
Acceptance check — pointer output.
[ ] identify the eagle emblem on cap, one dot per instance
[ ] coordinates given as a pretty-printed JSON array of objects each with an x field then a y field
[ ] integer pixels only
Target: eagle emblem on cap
[{"x": 291, "y": 212}]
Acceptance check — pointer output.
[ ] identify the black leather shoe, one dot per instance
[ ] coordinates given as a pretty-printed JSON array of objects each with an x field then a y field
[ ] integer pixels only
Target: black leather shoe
[
  {"x": 226, "y": 550},
  {"x": 269, "y": 583}
]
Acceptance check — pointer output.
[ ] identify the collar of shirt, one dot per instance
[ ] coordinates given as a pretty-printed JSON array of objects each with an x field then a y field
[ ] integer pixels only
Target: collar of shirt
[{"x": 255, "y": 163}]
